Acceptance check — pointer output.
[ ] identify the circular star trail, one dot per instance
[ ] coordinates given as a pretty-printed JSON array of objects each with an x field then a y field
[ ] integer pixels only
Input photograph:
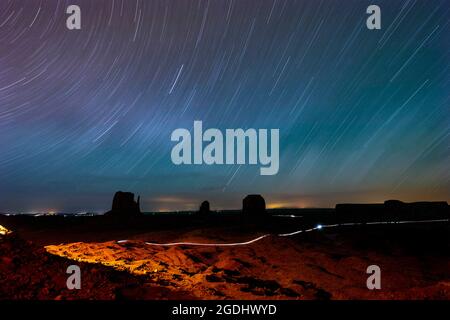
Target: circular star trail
[{"x": 363, "y": 114}]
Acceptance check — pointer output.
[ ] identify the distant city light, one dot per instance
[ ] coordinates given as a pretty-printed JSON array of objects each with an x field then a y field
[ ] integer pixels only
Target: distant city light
[{"x": 319, "y": 226}]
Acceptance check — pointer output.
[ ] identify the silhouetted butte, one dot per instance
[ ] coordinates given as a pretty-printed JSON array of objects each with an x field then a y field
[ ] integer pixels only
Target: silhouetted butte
[
  {"x": 204, "y": 208},
  {"x": 253, "y": 204},
  {"x": 124, "y": 205}
]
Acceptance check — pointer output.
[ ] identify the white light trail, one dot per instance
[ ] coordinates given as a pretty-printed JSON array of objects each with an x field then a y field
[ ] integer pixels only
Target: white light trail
[
  {"x": 209, "y": 244},
  {"x": 318, "y": 227}
]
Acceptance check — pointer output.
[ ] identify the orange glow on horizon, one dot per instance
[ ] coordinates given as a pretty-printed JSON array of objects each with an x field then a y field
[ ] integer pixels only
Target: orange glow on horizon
[{"x": 287, "y": 205}]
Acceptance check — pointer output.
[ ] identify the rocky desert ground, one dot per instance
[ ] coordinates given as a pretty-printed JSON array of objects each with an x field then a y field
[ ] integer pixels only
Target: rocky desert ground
[{"x": 323, "y": 264}]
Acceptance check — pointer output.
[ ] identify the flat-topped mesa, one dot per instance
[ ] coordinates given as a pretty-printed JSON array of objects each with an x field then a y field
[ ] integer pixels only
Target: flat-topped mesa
[
  {"x": 124, "y": 205},
  {"x": 392, "y": 210},
  {"x": 253, "y": 204},
  {"x": 423, "y": 210}
]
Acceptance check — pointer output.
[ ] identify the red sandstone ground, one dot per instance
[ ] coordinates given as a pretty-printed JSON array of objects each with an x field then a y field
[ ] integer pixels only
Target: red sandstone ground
[{"x": 328, "y": 264}]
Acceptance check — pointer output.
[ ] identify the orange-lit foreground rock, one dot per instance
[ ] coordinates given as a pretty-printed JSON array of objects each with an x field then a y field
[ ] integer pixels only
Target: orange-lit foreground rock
[
  {"x": 4, "y": 231},
  {"x": 28, "y": 272},
  {"x": 323, "y": 265}
]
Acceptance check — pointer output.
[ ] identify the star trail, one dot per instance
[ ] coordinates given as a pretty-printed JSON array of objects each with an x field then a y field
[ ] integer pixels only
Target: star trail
[{"x": 363, "y": 114}]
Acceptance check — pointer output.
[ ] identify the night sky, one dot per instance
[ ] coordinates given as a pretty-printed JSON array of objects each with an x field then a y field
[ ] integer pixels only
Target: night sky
[{"x": 363, "y": 114}]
